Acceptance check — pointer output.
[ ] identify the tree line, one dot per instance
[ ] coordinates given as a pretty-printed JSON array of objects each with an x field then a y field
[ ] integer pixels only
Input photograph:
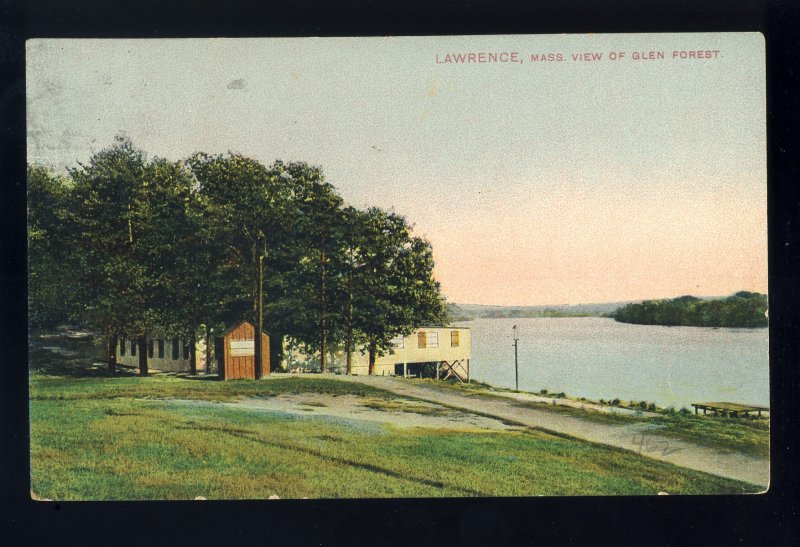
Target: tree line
[
  {"x": 144, "y": 247},
  {"x": 743, "y": 309}
]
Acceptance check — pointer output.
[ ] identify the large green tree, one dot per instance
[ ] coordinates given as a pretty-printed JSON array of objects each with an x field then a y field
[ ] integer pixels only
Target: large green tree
[
  {"x": 110, "y": 215},
  {"x": 314, "y": 253},
  {"x": 388, "y": 287},
  {"x": 246, "y": 207}
]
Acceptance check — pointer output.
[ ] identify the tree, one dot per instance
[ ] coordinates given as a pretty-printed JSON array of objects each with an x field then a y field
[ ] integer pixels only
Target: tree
[
  {"x": 51, "y": 282},
  {"x": 245, "y": 204},
  {"x": 109, "y": 215},
  {"x": 389, "y": 289},
  {"x": 316, "y": 230},
  {"x": 178, "y": 249}
]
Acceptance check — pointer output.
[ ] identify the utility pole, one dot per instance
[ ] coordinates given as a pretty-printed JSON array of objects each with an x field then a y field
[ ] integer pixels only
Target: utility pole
[
  {"x": 516, "y": 363},
  {"x": 261, "y": 245}
]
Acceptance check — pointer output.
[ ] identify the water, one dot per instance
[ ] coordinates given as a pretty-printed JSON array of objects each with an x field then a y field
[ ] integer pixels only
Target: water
[{"x": 598, "y": 358}]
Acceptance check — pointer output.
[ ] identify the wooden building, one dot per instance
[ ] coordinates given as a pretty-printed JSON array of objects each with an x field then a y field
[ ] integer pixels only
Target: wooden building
[
  {"x": 164, "y": 354},
  {"x": 235, "y": 352},
  {"x": 428, "y": 352}
]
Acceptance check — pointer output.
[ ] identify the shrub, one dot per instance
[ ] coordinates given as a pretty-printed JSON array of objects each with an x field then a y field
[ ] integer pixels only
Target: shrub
[
  {"x": 616, "y": 402},
  {"x": 602, "y": 401},
  {"x": 683, "y": 411},
  {"x": 652, "y": 407},
  {"x": 543, "y": 392}
]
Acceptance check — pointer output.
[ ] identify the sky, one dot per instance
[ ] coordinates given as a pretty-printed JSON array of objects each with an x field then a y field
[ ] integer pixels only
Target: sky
[{"x": 555, "y": 182}]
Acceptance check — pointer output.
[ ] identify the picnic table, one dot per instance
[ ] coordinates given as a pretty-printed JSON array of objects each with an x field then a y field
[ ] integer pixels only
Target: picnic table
[{"x": 729, "y": 409}]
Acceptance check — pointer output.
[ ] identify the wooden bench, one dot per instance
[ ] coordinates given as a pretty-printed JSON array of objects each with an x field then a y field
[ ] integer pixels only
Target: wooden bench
[{"x": 729, "y": 409}]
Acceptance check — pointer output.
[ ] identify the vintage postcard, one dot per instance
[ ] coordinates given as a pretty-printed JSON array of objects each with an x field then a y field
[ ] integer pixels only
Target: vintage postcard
[{"x": 398, "y": 267}]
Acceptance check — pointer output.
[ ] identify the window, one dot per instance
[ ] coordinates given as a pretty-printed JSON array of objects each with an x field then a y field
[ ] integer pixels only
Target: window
[
  {"x": 421, "y": 339},
  {"x": 398, "y": 342},
  {"x": 453, "y": 338},
  {"x": 122, "y": 346},
  {"x": 175, "y": 349},
  {"x": 150, "y": 348},
  {"x": 160, "y": 348},
  {"x": 432, "y": 340},
  {"x": 133, "y": 347},
  {"x": 186, "y": 349}
]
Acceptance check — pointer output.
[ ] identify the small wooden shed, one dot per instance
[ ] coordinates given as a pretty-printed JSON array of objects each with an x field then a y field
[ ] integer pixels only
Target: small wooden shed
[{"x": 238, "y": 353}]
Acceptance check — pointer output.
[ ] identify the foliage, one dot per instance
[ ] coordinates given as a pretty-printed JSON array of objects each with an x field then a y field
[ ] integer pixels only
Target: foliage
[
  {"x": 52, "y": 288},
  {"x": 742, "y": 310},
  {"x": 156, "y": 247}
]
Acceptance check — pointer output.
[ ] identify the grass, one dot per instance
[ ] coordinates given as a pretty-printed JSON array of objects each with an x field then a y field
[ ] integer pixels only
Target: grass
[
  {"x": 43, "y": 388},
  {"x": 96, "y": 438}
]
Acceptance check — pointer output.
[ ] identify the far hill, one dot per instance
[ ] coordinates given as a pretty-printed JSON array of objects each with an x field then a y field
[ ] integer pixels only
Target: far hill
[
  {"x": 741, "y": 310},
  {"x": 467, "y": 312},
  {"x": 629, "y": 311}
]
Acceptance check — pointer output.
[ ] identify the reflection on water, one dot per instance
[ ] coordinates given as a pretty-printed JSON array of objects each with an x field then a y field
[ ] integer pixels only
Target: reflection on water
[{"x": 599, "y": 358}]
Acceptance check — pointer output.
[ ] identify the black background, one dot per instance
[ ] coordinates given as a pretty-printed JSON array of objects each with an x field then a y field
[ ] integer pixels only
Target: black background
[{"x": 768, "y": 519}]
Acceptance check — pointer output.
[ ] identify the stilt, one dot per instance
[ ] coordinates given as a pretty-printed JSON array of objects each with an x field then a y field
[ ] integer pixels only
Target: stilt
[
  {"x": 437, "y": 369},
  {"x": 468, "y": 379},
  {"x": 405, "y": 370}
]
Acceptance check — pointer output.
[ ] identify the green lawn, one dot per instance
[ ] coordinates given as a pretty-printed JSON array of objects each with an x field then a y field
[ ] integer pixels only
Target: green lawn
[{"x": 97, "y": 438}]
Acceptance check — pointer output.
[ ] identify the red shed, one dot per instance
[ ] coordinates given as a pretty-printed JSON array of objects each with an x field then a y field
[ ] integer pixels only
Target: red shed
[{"x": 239, "y": 353}]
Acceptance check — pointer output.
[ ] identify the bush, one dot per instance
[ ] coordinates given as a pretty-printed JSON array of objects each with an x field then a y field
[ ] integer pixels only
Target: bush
[
  {"x": 602, "y": 401},
  {"x": 616, "y": 402},
  {"x": 542, "y": 392},
  {"x": 684, "y": 411},
  {"x": 652, "y": 407},
  {"x": 670, "y": 409}
]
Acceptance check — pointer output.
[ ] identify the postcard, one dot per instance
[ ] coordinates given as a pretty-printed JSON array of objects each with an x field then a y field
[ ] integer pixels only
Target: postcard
[{"x": 413, "y": 267}]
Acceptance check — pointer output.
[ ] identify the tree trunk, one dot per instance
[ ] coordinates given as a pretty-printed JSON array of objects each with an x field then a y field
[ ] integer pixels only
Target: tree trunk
[
  {"x": 372, "y": 355},
  {"x": 322, "y": 332},
  {"x": 208, "y": 350},
  {"x": 192, "y": 357},
  {"x": 348, "y": 349},
  {"x": 323, "y": 348},
  {"x": 141, "y": 341},
  {"x": 111, "y": 353},
  {"x": 348, "y": 344},
  {"x": 276, "y": 351}
]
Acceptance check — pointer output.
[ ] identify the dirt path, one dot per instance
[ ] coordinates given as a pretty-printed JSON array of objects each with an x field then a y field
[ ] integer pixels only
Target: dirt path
[{"x": 642, "y": 438}]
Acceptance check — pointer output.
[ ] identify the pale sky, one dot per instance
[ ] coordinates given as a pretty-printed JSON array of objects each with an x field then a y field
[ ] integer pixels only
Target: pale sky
[{"x": 536, "y": 182}]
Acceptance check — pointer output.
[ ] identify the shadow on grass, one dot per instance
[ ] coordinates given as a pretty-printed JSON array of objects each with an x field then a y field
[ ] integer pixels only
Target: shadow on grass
[{"x": 201, "y": 377}]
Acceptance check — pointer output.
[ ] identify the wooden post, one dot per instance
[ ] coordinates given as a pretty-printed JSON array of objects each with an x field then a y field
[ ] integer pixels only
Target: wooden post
[
  {"x": 437, "y": 369},
  {"x": 468, "y": 378},
  {"x": 192, "y": 356},
  {"x": 258, "y": 349},
  {"x": 695, "y": 410},
  {"x": 405, "y": 370}
]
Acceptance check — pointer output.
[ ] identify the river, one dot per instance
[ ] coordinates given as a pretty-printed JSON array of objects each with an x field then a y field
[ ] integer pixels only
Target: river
[{"x": 599, "y": 358}]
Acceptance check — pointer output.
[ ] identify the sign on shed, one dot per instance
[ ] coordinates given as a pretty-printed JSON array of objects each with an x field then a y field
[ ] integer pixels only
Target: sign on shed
[{"x": 240, "y": 350}]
